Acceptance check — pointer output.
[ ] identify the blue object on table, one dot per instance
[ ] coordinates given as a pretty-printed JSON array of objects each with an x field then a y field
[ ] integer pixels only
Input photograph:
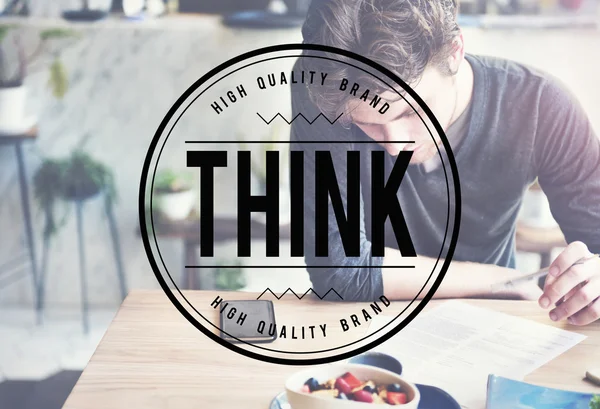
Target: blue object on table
[
  {"x": 431, "y": 396},
  {"x": 378, "y": 360},
  {"x": 505, "y": 393}
]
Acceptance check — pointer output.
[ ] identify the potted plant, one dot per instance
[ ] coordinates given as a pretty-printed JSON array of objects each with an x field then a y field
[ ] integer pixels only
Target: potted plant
[
  {"x": 173, "y": 194},
  {"x": 258, "y": 162},
  {"x": 15, "y": 65},
  {"x": 75, "y": 178},
  {"x": 230, "y": 278},
  {"x": 258, "y": 168},
  {"x": 84, "y": 178}
]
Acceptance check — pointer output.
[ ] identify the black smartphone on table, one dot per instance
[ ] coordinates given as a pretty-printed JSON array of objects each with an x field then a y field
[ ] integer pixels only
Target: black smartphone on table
[{"x": 257, "y": 324}]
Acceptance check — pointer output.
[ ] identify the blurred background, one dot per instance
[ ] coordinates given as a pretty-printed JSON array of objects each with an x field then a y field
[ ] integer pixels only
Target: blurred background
[{"x": 83, "y": 88}]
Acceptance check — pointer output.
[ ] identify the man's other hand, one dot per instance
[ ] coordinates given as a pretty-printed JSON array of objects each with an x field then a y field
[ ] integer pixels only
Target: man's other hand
[{"x": 573, "y": 291}]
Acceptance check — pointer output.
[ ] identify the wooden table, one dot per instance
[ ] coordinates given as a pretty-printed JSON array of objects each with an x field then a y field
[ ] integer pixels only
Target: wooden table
[{"x": 152, "y": 358}]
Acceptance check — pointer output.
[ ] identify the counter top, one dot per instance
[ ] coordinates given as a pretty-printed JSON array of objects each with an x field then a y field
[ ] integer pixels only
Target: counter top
[{"x": 151, "y": 357}]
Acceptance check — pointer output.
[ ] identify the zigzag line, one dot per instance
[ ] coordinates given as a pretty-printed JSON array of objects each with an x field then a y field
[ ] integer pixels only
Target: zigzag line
[
  {"x": 296, "y": 117},
  {"x": 297, "y": 296}
]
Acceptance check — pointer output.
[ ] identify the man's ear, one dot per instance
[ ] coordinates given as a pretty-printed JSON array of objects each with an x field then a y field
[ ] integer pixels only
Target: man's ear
[{"x": 457, "y": 54}]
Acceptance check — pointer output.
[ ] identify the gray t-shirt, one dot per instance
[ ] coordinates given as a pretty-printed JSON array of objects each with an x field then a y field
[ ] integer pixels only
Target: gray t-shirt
[
  {"x": 522, "y": 125},
  {"x": 456, "y": 132}
]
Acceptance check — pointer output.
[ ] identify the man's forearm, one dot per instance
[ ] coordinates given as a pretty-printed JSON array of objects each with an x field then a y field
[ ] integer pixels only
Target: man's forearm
[{"x": 462, "y": 280}]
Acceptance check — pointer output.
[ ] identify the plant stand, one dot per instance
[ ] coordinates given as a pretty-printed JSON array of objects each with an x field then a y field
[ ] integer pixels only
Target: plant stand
[
  {"x": 116, "y": 245},
  {"x": 10, "y": 269}
]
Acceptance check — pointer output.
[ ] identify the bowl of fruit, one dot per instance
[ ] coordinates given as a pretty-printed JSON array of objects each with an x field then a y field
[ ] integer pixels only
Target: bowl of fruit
[{"x": 349, "y": 386}]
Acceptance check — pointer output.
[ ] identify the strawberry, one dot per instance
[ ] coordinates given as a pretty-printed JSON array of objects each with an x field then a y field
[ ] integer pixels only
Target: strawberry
[
  {"x": 396, "y": 398},
  {"x": 363, "y": 396},
  {"x": 351, "y": 380},
  {"x": 343, "y": 386}
]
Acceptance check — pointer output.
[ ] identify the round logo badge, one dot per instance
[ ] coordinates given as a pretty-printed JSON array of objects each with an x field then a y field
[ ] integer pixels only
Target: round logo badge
[{"x": 277, "y": 187}]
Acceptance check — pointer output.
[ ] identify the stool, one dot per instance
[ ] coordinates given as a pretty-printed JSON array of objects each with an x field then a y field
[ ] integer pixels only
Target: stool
[{"x": 114, "y": 234}]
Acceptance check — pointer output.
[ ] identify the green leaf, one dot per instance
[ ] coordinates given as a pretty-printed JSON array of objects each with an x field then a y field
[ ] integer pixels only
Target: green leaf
[
  {"x": 48, "y": 187},
  {"x": 58, "y": 179},
  {"x": 58, "y": 33},
  {"x": 169, "y": 180},
  {"x": 595, "y": 402},
  {"x": 4, "y": 29},
  {"x": 58, "y": 80},
  {"x": 230, "y": 279}
]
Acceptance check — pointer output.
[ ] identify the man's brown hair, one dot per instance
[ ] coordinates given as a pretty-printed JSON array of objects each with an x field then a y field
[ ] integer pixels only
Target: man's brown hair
[{"x": 404, "y": 36}]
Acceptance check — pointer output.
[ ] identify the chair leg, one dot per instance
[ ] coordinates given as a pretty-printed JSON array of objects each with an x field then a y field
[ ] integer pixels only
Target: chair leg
[
  {"x": 82, "y": 265},
  {"x": 116, "y": 243}
]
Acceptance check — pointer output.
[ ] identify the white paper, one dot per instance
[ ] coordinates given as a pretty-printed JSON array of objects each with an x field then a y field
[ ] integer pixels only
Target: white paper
[{"x": 455, "y": 346}]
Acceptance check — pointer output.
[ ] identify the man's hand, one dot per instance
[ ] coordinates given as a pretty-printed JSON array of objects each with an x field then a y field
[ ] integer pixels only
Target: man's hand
[{"x": 574, "y": 291}]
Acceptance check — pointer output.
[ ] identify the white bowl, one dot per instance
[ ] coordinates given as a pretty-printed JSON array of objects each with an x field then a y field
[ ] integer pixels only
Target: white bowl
[
  {"x": 175, "y": 206},
  {"x": 300, "y": 400}
]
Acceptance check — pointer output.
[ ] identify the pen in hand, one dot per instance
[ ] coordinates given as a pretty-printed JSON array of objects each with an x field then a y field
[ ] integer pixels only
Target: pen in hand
[{"x": 542, "y": 273}]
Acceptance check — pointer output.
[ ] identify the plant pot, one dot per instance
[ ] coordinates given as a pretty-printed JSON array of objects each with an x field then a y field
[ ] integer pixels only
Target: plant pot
[
  {"x": 175, "y": 205},
  {"x": 81, "y": 193},
  {"x": 12, "y": 110}
]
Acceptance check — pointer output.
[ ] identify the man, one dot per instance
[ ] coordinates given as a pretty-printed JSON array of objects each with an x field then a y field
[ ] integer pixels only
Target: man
[{"x": 507, "y": 125}]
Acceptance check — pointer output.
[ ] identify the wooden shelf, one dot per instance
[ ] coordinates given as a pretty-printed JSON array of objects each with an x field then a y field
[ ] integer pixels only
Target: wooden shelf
[{"x": 31, "y": 134}]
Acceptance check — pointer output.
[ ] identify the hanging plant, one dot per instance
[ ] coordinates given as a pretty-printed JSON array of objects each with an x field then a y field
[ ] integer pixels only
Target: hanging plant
[{"x": 77, "y": 177}]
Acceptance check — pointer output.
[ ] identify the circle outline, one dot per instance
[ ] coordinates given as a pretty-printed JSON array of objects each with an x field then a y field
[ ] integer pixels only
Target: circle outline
[
  {"x": 258, "y": 346},
  {"x": 181, "y": 100}
]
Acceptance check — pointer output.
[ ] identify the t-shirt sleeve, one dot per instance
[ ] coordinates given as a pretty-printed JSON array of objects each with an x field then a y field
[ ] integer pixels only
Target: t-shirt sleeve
[
  {"x": 567, "y": 156},
  {"x": 353, "y": 278}
]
